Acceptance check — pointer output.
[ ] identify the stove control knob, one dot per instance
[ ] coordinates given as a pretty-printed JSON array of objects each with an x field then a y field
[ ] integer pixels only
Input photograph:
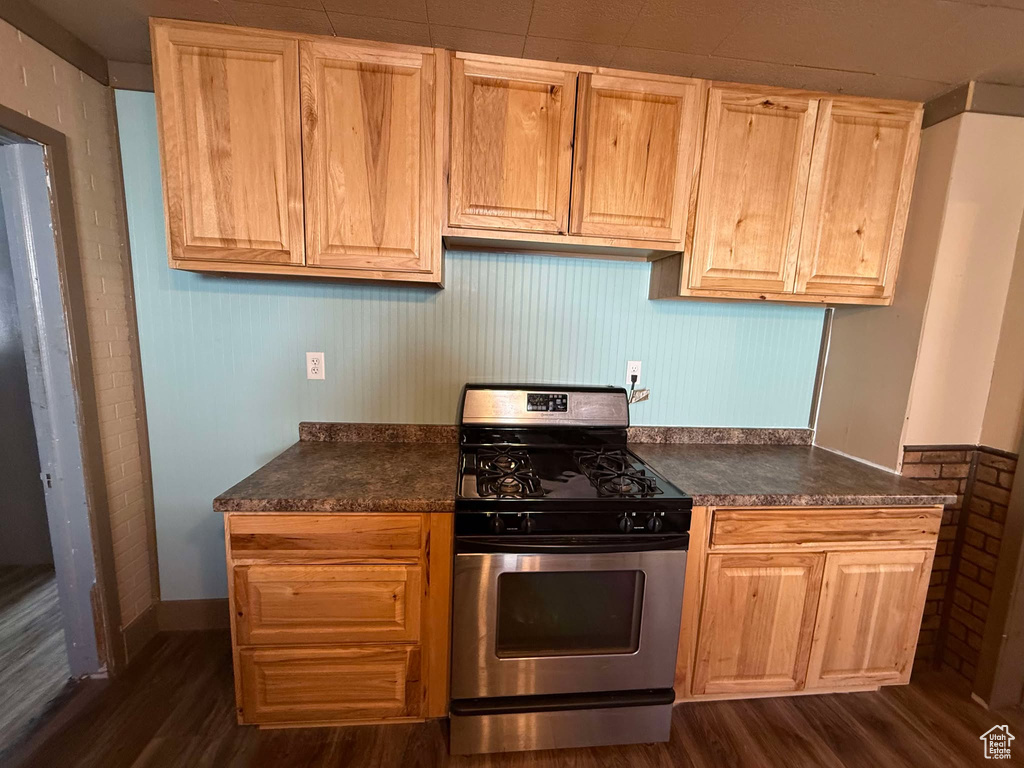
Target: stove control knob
[
  {"x": 655, "y": 524},
  {"x": 497, "y": 524},
  {"x": 529, "y": 525},
  {"x": 625, "y": 524}
]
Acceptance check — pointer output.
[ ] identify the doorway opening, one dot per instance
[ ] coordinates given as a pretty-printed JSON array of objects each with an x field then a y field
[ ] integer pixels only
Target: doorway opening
[{"x": 54, "y": 615}]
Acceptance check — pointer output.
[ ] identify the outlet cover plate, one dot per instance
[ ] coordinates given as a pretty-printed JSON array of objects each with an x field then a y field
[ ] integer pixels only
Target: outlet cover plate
[
  {"x": 632, "y": 369},
  {"x": 315, "y": 365}
]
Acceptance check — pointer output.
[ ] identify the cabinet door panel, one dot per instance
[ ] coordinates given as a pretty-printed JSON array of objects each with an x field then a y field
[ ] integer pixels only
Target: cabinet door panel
[
  {"x": 309, "y": 604},
  {"x": 228, "y": 108},
  {"x": 756, "y": 622},
  {"x": 753, "y": 182},
  {"x": 862, "y": 173},
  {"x": 511, "y": 150},
  {"x": 308, "y": 685},
  {"x": 368, "y": 140},
  {"x": 636, "y": 149},
  {"x": 869, "y": 617}
]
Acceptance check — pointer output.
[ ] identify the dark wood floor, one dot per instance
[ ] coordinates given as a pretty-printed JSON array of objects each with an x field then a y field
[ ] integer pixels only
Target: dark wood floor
[
  {"x": 175, "y": 708},
  {"x": 33, "y": 660}
]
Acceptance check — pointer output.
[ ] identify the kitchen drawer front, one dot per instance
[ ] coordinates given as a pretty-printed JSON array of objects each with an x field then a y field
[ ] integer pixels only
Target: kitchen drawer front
[
  {"x": 310, "y": 604},
  {"x": 327, "y": 538},
  {"x": 311, "y": 685},
  {"x": 816, "y": 527}
]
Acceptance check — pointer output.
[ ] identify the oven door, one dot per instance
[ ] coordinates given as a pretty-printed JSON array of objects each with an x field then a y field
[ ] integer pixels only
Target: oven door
[{"x": 533, "y": 616}]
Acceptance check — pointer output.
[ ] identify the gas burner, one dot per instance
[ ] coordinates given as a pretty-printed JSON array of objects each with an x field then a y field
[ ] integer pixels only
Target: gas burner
[
  {"x": 506, "y": 473},
  {"x": 612, "y": 473}
]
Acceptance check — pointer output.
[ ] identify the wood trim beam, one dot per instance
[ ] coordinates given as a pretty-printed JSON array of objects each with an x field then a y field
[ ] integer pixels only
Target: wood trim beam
[
  {"x": 982, "y": 98},
  {"x": 44, "y": 30}
]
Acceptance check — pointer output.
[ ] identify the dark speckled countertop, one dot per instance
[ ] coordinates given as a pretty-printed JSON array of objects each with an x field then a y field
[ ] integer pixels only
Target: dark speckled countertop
[
  {"x": 780, "y": 475},
  {"x": 398, "y": 468},
  {"x": 350, "y": 477}
]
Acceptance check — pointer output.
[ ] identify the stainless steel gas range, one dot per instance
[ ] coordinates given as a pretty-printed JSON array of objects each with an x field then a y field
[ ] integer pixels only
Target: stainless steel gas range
[{"x": 568, "y": 580}]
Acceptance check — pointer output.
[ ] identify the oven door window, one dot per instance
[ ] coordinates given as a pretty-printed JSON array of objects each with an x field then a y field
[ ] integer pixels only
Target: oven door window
[{"x": 569, "y": 613}]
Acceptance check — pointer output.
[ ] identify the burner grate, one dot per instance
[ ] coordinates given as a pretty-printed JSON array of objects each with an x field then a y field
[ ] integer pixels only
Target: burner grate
[
  {"x": 612, "y": 473},
  {"x": 506, "y": 473}
]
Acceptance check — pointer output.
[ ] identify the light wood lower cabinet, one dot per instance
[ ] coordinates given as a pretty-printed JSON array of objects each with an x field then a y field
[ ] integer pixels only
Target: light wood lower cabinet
[
  {"x": 288, "y": 686},
  {"x": 756, "y": 622},
  {"x": 341, "y": 617},
  {"x": 803, "y": 605},
  {"x": 298, "y": 604},
  {"x": 869, "y": 617}
]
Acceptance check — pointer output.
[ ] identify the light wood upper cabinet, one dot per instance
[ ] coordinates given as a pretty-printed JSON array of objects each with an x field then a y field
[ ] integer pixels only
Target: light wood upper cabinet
[
  {"x": 370, "y": 159},
  {"x": 753, "y": 182},
  {"x": 862, "y": 172},
  {"x": 756, "y": 622},
  {"x": 635, "y": 153},
  {"x": 869, "y": 617},
  {"x": 511, "y": 144},
  {"x": 228, "y": 111}
]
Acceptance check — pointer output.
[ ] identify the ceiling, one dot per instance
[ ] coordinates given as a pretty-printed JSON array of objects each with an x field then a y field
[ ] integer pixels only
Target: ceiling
[{"x": 915, "y": 49}]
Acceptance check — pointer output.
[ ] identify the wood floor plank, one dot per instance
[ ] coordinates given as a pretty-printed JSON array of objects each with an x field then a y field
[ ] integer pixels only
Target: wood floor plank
[
  {"x": 34, "y": 671},
  {"x": 175, "y": 709}
]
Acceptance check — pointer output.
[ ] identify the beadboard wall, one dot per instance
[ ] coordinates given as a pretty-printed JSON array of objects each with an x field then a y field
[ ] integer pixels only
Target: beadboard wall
[{"x": 224, "y": 359}]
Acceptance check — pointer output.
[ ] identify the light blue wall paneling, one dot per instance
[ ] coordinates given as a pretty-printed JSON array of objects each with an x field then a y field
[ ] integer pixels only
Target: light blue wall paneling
[{"x": 223, "y": 358}]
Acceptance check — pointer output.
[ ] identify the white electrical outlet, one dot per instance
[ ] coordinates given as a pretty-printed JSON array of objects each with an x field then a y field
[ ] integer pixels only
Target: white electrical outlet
[
  {"x": 632, "y": 369},
  {"x": 315, "y": 365}
]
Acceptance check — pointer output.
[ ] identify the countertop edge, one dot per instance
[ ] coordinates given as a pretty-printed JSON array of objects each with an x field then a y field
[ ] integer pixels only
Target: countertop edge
[{"x": 812, "y": 500}]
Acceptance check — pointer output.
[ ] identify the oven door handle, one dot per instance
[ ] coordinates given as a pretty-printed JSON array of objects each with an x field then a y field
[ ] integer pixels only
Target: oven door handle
[{"x": 523, "y": 545}]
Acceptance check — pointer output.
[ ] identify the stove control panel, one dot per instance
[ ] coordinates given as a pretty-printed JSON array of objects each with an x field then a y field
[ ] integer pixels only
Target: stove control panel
[{"x": 554, "y": 402}]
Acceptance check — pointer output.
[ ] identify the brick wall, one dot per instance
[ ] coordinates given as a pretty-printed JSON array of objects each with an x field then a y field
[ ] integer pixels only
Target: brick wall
[
  {"x": 947, "y": 472},
  {"x": 968, "y": 549},
  {"x": 40, "y": 85}
]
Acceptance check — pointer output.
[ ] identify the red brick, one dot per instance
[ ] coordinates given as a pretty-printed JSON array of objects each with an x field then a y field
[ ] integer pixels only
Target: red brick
[
  {"x": 944, "y": 457},
  {"x": 986, "y": 526},
  {"x": 987, "y": 578},
  {"x": 999, "y": 462},
  {"x": 992, "y": 545},
  {"x": 974, "y": 538},
  {"x": 935, "y": 593},
  {"x": 931, "y": 622},
  {"x": 968, "y": 670},
  {"x": 952, "y": 664},
  {"x": 945, "y": 486},
  {"x": 942, "y": 563},
  {"x": 955, "y": 470},
  {"x": 911, "y": 457},
  {"x": 961, "y": 598},
  {"x": 980, "y": 506},
  {"x": 979, "y": 558},
  {"x": 999, "y": 513},
  {"x": 985, "y": 474},
  {"x": 972, "y": 588},
  {"x": 972, "y": 622},
  {"x": 970, "y": 570},
  {"x": 961, "y": 649},
  {"x": 979, "y": 609},
  {"x": 1006, "y": 480},
  {"x": 922, "y": 471},
  {"x": 958, "y": 630},
  {"x": 991, "y": 493}
]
